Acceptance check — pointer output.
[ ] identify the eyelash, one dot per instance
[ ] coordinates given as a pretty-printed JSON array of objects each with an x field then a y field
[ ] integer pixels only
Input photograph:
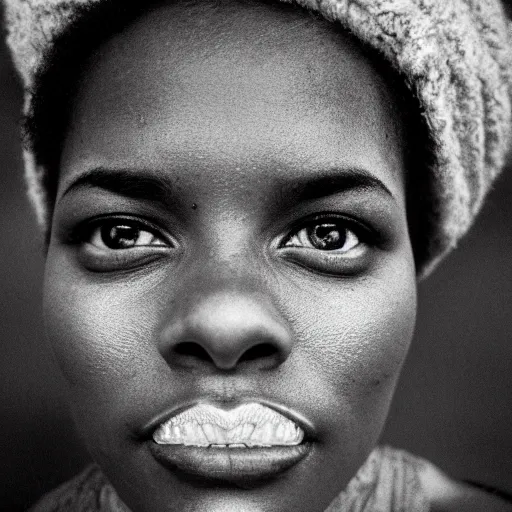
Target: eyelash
[
  {"x": 363, "y": 231},
  {"x": 346, "y": 226},
  {"x": 294, "y": 247},
  {"x": 85, "y": 231},
  {"x": 137, "y": 234},
  {"x": 98, "y": 257},
  {"x": 332, "y": 261}
]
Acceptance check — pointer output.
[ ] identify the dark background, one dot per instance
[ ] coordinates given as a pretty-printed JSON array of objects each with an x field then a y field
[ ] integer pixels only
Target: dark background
[{"x": 453, "y": 404}]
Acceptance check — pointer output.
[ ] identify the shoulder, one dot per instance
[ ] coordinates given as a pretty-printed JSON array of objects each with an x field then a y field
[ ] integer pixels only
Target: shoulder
[
  {"x": 446, "y": 494},
  {"x": 417, "y": 484},
  {"x": 89, "y": 491}
]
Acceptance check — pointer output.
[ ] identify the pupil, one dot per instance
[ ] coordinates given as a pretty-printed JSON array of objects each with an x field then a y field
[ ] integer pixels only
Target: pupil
[
  {"x": 119, "y": 237},
  {"x": 327, "y": 237}
]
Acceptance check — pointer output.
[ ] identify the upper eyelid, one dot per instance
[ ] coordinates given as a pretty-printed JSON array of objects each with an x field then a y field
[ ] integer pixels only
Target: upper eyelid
[
  {"x": 87, "y": 227},
  {"x": 332, "y": 252},
  {"x": 360, "y": 228}
]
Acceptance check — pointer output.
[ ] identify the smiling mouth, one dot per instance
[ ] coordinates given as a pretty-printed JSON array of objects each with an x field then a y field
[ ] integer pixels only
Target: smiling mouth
[{"x": 247, "y": 444}]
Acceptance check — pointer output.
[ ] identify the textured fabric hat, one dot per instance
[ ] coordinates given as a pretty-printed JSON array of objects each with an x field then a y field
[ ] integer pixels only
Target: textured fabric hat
[{"x": 455, "y": 55}]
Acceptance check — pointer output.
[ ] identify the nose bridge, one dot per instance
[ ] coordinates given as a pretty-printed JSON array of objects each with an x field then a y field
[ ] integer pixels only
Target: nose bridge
[{"x": 230, "y": 321}]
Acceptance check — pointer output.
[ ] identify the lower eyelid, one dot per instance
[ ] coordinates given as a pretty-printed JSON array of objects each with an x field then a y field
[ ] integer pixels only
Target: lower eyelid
[
  {"x": 318, "y": 253},
  {"x": 329, "y": 265},
  {"x": 95, "y": 260}
]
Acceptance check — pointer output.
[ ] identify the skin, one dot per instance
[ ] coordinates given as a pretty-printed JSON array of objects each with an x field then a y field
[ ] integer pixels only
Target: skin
[{"x": 239, "y": 128}]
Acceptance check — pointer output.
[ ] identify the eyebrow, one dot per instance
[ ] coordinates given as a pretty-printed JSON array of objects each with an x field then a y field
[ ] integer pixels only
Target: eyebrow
[
  {"x": 149, "y": 186},
  {"x": 335, "y": 181},
  {"x": 144, "y": 185}
]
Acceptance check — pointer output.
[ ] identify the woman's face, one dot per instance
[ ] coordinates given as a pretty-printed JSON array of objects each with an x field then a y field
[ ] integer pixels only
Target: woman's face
[{"x": 230, "y": 259}]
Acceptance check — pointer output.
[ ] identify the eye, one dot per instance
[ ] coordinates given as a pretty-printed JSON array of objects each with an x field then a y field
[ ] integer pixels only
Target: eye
[
  {"x": 325, "y": 236},
  {"x": 112, "y": 244},
  {"x": 122, "y": 235},
  {"x": 336, "y": 246}
]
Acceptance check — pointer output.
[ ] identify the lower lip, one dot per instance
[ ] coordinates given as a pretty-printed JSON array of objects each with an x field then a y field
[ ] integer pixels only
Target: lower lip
[{"x": 237, "y": 466}]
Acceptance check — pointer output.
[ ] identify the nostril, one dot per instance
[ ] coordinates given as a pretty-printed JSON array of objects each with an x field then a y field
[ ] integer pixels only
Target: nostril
[
  {"x": 260, "y": 351},
  {"x": 191, "y": 349},
  {"x": 196, "y": 351},
  {"x": 221, "y": 328}
]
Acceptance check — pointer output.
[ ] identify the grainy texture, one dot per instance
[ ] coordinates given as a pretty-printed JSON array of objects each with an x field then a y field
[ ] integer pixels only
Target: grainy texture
[
  {"x": 387, "y": 482},
  {"x": 456, "y": 57}
]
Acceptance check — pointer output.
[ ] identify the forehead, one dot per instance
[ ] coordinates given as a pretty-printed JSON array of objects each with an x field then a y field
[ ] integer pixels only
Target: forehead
[{"x": 234, "y": 84}]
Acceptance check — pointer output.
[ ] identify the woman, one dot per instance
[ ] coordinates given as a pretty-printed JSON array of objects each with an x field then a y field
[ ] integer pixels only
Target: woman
[{"x": 239, "y": 199}]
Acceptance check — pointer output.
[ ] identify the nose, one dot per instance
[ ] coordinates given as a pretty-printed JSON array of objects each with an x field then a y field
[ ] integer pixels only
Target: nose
[{"x": 227, "y": 330}]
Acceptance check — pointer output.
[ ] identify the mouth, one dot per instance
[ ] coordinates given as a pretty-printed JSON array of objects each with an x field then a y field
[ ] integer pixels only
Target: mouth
[{"x": 244, "y": 445}]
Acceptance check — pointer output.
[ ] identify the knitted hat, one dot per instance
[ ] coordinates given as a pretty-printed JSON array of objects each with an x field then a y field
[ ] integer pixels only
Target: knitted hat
[{"x": 455, "y": 55}]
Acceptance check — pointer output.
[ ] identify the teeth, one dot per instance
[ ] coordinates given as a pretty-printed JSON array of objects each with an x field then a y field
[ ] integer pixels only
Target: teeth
[
  {"x": 246, "y": 426},
  {"x": 268, "y": 433},
  {"x": 236, "y": 434},
  {"x": 209, "y": 432},
  {"x": 247, "y": 430}
]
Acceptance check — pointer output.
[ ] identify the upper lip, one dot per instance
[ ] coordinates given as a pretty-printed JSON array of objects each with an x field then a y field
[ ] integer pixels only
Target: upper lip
[{"x": 297, "y": 418}]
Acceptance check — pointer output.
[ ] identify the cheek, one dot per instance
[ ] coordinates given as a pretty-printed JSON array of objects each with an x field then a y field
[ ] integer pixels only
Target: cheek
[
  {"x": 101, "y": 333},
  {"x": 353, "y": 338}
]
